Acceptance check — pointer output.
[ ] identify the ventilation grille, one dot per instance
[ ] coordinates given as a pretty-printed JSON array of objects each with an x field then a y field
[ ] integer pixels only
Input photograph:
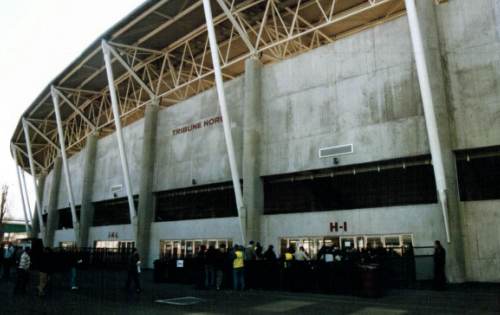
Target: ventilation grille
[{"x": 336, "y": 150}]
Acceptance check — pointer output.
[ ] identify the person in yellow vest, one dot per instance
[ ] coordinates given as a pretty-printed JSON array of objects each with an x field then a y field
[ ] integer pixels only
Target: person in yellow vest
[
  {"x": 286, "y": 274},
  {"x": 238, "y": 268},
  {"x": 288, "y": 258}
]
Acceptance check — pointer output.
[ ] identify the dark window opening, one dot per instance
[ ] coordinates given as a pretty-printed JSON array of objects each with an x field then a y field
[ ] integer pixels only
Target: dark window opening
[
  {"x": 478, "y": 174},
  {"x": 113, "y": 212},
  {"x": 385, "y": 184},
  {"x": 65, "y": 219},
  {"x": 201, "y": 202}
]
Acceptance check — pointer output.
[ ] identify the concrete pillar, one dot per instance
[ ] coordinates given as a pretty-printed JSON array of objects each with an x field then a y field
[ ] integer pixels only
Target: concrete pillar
[
  {"x": 146, "y": 198},
  {"x": 440, "y": 132},
  {"x": 253, "y": 192},
  {"x": 39, "y": 191},
  {"x": 87, "y": 207},
  {"x": 52, "y": 211}
]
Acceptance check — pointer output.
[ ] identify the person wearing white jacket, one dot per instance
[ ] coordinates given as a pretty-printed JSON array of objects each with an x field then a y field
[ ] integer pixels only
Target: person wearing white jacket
[
  {"x": 301, "y": 255},
  {"x": 23, "y": 272}
]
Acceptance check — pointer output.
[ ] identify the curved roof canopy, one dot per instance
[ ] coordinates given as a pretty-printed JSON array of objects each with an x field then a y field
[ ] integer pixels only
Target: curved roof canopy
[{"x": 161, "y": 50}]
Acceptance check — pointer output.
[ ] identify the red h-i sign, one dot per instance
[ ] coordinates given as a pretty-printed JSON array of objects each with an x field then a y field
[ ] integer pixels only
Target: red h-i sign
[{"x": 335, "y": 227}]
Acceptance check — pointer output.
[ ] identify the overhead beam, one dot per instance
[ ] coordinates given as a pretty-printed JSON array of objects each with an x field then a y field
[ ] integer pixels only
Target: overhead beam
[
  {"x": 23, "y": 201},
  {"x": 73, "y": 106},
  {"x": 106, "y": 51},
  {"x": 69, "y": 186},
  {"x": 129, "y": 69},
  {"x": 35, "y": 128},
  {"x": 226, "y": 121},
  {"x": 33, "y": 175},
  {"x": 19, "y": 149},
  {"x": 243, "y": 34}
]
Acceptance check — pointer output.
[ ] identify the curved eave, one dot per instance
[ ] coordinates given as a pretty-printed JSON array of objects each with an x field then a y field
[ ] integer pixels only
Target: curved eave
[{"x": 165, "y": 38}]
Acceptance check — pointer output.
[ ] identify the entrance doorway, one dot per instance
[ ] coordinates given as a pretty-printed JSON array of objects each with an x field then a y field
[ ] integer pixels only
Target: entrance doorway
[{"x": 313, "y": 244}]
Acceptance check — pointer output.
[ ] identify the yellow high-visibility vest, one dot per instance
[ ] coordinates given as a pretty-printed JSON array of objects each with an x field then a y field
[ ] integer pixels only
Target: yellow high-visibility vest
[
  {"x": 238, "y": 260},
  {"x": 288, "y": 259}
]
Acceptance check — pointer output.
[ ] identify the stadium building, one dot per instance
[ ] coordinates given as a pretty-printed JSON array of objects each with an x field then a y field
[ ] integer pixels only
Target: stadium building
[{"x": 351, "y": 122}]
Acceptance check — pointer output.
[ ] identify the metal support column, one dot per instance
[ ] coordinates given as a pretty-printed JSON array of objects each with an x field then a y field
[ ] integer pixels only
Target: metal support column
[
  {"x": 33, "y": 174},
  {"x": 121, "y": 147},
  {"x": 26, "y": 218},
  {"x": 429, "y": 113},
  {"x": 67, "y": 175},
  {"x": 25, "y": 191},
  {"x": 225, "y": 119}
]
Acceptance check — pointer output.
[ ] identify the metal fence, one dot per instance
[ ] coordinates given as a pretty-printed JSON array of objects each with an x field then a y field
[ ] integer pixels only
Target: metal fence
[{"x": 390, "y": 270}]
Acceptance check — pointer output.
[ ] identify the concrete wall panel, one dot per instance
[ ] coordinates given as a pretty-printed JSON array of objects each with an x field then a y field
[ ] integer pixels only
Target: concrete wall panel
[{"x": 75, "y": 164}]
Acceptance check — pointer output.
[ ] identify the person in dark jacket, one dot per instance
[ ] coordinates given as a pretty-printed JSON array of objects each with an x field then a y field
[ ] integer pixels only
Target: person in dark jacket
[
  {"x": 259, "y": 251},
  {"x": 220, "y": 261},
  {"x": 439, "y": 266},
  {"x": 74, "y": 261},
  {"x": 210, "y": 258},
  {"x": 8, "y": 260},
  {"x": 134, "y": 270},
  {"x": 45, "y": 270},
  {"x": 200, "y": 261},
  {"x": 269, "y": 254}
]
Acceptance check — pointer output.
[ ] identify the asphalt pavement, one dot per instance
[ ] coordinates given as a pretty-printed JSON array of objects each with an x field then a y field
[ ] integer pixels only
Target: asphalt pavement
[{"x": 102, "y": 292}]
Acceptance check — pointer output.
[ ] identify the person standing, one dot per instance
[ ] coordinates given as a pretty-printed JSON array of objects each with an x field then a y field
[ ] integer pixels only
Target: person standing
[
  {"x": 8, "y": 260},
  {"x": 238, "y": 268},
  {"x": 220, "y": 259},
  {"x": 249, "y": 253},
  {"x": 439, "y": 266},
  {"x": 269, "y": 254},
  {"x": 259, "y": 251},
  {"x": 134, "y": 270},
  {"x": 74, "y": 260},
  {"x": 46, "y": 265},
  {"x": 210, "y": 257},
  {"x": 200, "y": 261},
  {"x": 301, "y": 255},
  {"x": 23, "y": 272}
]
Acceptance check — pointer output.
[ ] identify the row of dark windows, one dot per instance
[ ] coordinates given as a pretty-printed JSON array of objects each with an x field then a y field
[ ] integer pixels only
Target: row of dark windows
[
  {"x": 113, "y": 212},
  {"x": 478, "y": 173},
  {"x": 384, "y": 184},
  {"x": 355, "y": 190},
  {"x": 203, "y": 202}
]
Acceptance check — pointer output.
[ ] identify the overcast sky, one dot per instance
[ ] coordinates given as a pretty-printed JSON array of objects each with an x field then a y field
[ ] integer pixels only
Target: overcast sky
[{"x": 38, "y": 39}]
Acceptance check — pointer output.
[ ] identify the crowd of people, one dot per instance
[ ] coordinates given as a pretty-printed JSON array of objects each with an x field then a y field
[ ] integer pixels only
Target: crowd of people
[
  {"x": 19, "y": 261},
  {"x": 241, "y": 267},
  {"x": 238, "y": 267},
  {"x": 22, "y": 261}
]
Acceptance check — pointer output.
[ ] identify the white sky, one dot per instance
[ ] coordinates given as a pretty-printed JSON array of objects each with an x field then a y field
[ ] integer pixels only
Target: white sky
[{"x": 38, "y": 39}]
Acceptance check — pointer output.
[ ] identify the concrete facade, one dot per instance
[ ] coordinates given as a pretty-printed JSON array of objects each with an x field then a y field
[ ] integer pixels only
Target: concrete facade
[
  {"x": 52, "y": 212},
  {"x": 146, "y": 197},
  {"x": 253, "y": 192},
  {"x": 40, "y": 191},
  {"x": 87, "y": 207},
  {"x": 361, "y": 90},
  {"x": 470, "y": 40}
]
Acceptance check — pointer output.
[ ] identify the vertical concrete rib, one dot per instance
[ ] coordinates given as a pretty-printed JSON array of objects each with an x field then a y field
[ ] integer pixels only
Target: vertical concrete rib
[
  {"x": 253, "y": 193},
  {"x": 432, "y": 85},
  {"x": 146, "y": 211},
  {"x": 87, "y": 207},
  {"x": 52, "y": 212},
  {"x": 40, "y": 186}
]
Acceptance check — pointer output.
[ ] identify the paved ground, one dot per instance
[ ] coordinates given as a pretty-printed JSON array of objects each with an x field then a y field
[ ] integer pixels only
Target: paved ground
[{"x": 103, "y": 293}]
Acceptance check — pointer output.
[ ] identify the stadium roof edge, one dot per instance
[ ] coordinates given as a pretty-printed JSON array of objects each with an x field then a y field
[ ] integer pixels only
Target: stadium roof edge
[{"x": 165, "y": 30}]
